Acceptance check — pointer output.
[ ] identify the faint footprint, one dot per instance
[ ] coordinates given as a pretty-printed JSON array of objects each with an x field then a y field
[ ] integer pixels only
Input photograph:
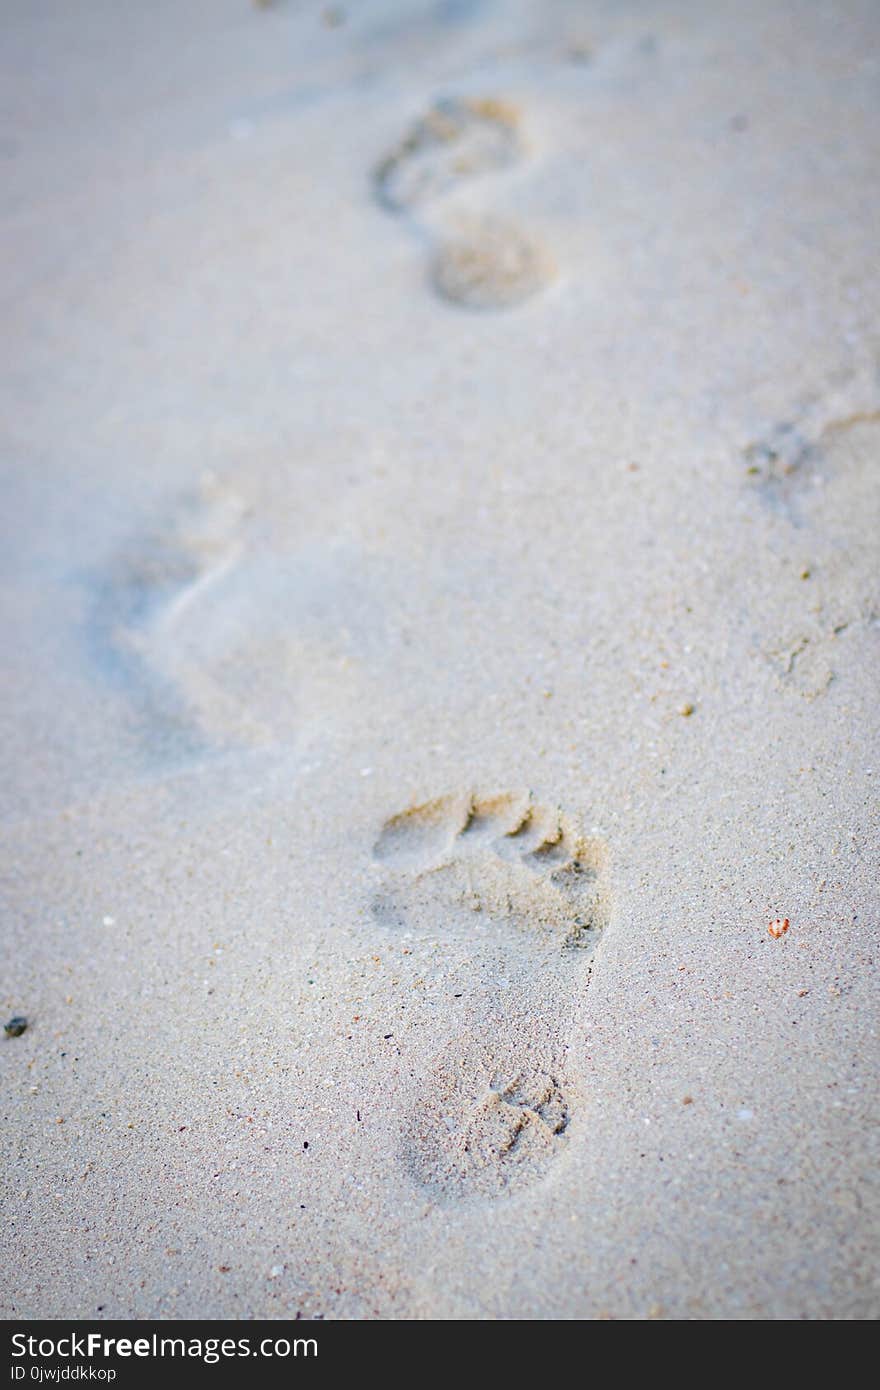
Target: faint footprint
[
  {"x": 822, "y": 483},
  {"x": 506, "y": 901},
  {"x": 143, "y": 605},
  {"x": 802, "y": 664},
  {"x": 792, "y": 460},
  {"x": 492, "y": 266},
  {"x": 225, "y": 627},
  {"x": 484, "y": 263},
  {"x": 452, "y": 142}
]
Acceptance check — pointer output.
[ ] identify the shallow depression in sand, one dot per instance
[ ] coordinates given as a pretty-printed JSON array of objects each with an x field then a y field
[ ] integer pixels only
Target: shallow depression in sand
[
  {"x": 519, "y": 899},
  {"x": 492, "y": 267}
]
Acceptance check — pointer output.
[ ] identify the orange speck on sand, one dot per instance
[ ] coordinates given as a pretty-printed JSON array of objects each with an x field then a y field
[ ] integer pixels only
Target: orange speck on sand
[{"x": 778, "y": 927}]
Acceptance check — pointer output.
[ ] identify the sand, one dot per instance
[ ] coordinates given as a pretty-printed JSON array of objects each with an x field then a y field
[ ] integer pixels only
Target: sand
[{"x": 440, "y": 626}]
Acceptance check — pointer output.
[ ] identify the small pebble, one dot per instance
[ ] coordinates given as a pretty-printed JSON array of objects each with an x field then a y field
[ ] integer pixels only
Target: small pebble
[{"x": 15, "y": 1027}]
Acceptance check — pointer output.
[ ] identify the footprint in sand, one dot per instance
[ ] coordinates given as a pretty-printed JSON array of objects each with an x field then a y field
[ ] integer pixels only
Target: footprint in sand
[
  {"x": 223, "y": 627},
  {"x": 516, "y": 900},
  {"x": 821, "y": 483},
  {"x": 149, "y": 597},
  {"x": 481, "y": 262}
]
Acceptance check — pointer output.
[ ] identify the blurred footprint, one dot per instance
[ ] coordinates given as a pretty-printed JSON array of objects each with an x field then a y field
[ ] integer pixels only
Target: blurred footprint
[
  {"x": 454, "y": 141},
  {"x": 222, "y": 630},
  {"x": 155, "y": 590},
  {"x": 820, "y": 481},
  {"x": 487, "y": 262},
  {"x": 491, "y": 266}
]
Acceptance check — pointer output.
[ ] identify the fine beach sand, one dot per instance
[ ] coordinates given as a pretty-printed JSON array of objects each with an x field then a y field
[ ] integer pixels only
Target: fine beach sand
[{"x": 440, "y": 596}]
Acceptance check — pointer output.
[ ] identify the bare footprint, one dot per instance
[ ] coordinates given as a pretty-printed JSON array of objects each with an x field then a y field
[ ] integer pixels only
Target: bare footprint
[
  {"x": 225, "y": 626},
  {"x": 821, "y": 483},
  {"x": 508, "y": 900},
  {"x": 452, "y": 142},
  {"x": 147, "y": 601},
  {"x": 491, "y": 266},
  {"x": 791, "y": 464},
  {"x": 483, "y": 263}
]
